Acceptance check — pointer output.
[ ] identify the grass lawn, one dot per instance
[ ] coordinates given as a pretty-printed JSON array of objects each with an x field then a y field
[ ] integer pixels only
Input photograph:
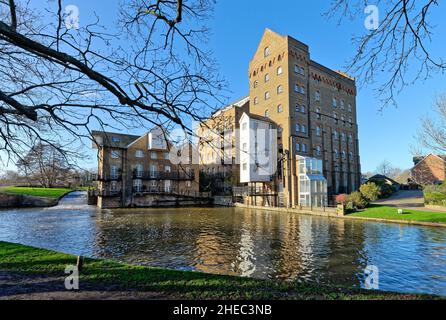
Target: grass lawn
[
  {"x": 391, "y": 213},
  {"x": 38, "y": 192},
  {"x": 178, "y": 284}
]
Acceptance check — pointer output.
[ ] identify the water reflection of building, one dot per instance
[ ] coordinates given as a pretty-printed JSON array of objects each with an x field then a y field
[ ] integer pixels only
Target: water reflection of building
[{"x": 235, "y": 241}]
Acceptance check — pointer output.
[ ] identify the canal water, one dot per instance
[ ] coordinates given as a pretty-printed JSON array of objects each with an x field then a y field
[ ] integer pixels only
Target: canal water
[{"x": 250, "y": 243}]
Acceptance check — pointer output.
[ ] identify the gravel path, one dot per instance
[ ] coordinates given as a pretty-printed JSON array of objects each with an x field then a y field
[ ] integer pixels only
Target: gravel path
[{"x": 406, "y": 199}]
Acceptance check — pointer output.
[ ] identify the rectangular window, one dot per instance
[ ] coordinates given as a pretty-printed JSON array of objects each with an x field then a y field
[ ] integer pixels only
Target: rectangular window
[
  {"x": 153, "y": 156},
  {"x": 245, "y": 166},
  {"x": 139, "y": 153},
  {"x": 115, "y": 154}
]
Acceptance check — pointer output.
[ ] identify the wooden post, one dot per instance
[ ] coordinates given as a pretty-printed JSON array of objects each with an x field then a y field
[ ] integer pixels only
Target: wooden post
[{"x": 79, "y": 263}]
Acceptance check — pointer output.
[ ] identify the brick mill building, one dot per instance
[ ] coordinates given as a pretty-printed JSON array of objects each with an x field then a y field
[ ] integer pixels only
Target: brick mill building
[
  {"x": 430, "y": 169},
  {"x": 138, "y": 171}
]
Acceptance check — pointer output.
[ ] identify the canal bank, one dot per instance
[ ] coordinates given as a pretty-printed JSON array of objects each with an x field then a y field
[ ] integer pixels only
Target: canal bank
[
  {"x": 330, "y": 212},
  {"x": 257, "y": 244},
  {"x": 105, "y": 279}
]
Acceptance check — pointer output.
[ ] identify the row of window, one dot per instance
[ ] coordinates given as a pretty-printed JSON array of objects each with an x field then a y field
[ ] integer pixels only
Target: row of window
[
  {"x": 302, "y": 148},
  {"x": 317, "y": 97},
  {"x": 116, "y": 154}
]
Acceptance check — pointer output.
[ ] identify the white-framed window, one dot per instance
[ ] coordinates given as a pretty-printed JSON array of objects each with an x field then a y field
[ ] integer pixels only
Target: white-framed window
[
  {"x": 256, "y": 100},
  {"x": 279, "y": 108},
  {"x": 139, "y": 170},
  {"x": 266, "y": 52},
  {"x": 139, "y": 153},
  {"x": 167, "y": 169},
  {"x": 318, "y": 131},
  {"x": 137, "y": 185},
  {"x": 266, "y": 95},
  {"x": 267, "y": 77},
  {"x": 279, "y": 70},
  {"x": 318, "y": 150},
  {"x": 115, "y": 154},
  {"x": 267, "y": 113},
  {"x": 244, "y": 126},
  {"x": 245, "y": 166},
  {"x": 153, "y": 170},
  {"x": 279, "y": 89},
  {"x": 317, "y": 96},
  {"x": 153, "y": 155},
  {"x": 335, "y": 102},
  {"x": 296, "y": 88},
  {"x": 114, "y": 172},
  {"x": 297, "y": 146}
]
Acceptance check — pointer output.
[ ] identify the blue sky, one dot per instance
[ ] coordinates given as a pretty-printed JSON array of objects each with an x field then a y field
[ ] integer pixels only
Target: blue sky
[{"x": 237, "y": 27}]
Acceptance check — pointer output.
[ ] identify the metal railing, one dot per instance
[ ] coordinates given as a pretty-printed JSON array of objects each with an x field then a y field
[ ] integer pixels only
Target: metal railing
[{"x": 160, "y": 175}]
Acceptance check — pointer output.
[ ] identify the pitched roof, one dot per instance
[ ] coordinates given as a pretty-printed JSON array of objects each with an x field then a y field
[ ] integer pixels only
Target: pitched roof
[
  {"x": 115, "y": 140},
  {"x": 418, "y": 159},
  {"x": 382, "y": 177}
]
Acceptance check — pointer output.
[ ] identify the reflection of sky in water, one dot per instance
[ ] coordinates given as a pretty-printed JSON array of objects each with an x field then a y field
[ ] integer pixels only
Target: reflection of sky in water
[{"x": 235, "y": 241}]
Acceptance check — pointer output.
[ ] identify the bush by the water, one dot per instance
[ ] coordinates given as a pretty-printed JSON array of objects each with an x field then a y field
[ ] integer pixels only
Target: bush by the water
[
  {"x": 357, "y": 201},
  {"x": 370, "y": 191},
  {"x": 435, "y": 195}
]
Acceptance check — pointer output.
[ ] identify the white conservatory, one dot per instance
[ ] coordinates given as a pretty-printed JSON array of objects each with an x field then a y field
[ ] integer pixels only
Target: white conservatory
[{"x": 312, "y": 183}]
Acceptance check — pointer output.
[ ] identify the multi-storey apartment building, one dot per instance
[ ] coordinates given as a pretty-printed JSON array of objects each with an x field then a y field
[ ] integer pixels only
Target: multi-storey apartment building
[
  {"x": 141, "y": 171},
  {"x": 219, "y": 145},
  {"x": 314, "y": 108}
]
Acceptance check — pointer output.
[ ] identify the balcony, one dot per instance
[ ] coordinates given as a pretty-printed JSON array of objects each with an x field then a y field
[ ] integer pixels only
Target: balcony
[
  {"x": 107, "y": 177},
  {"x": 160, "y": 175}
]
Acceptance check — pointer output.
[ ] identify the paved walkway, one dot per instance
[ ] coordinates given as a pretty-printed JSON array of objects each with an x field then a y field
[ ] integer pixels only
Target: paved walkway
[
  {"x": 18, "y": 286},
  {"x": 407, "y": 199}
]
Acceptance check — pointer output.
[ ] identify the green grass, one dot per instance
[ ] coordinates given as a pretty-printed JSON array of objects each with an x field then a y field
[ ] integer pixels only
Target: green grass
[
  {"x": 38, "y": 192},
  {"x": 178, "y": 284},
  {"x": 391, "y": 213}
]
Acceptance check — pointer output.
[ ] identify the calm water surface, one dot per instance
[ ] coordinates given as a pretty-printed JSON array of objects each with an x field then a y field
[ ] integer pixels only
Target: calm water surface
[{"x": 243, "y": 242}]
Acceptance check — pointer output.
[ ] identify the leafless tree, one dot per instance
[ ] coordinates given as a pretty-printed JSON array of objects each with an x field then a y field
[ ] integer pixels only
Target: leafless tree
[
  {"x": 387, "y": 169},
  {"x": 432, "y": 133},
  {"x": 57, "y": 83},
  {"x": 46, "y": 165},
  {"x": 400, "y": 48}
]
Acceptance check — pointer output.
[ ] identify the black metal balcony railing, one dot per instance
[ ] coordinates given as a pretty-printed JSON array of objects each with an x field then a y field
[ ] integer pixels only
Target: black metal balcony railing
[
  {"x": 107, "y": 177},
  {"x": 160, "y": 175}
]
